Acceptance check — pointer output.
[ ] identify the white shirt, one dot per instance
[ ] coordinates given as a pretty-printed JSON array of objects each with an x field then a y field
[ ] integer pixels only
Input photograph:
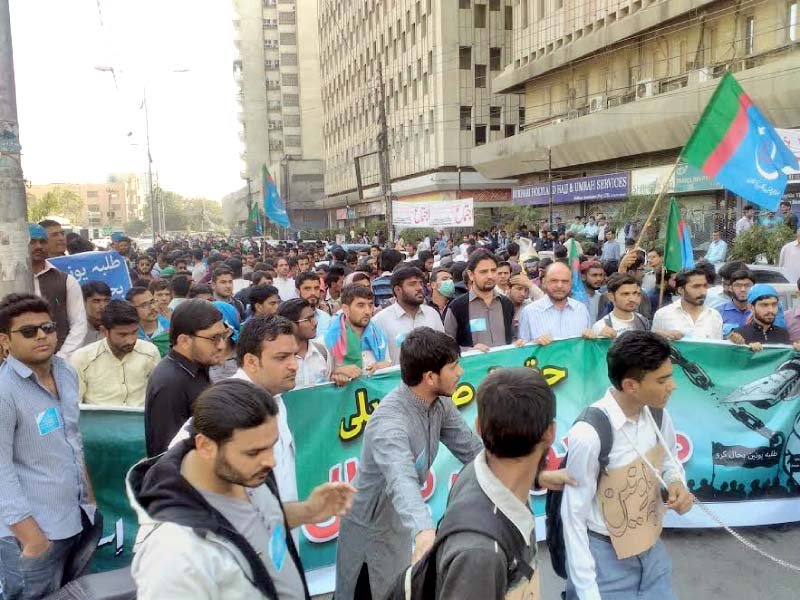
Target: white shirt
[
  {"x": 617, "y": 324},
  {"x": 286, "y": 288},
  {"x": 315, "y": 367},
  {"x": 743, "y": 224},
  {"x": 239, "y": 285},
  {"x": 580, "y": 508},
  {"x": 199, "y": 270},
  {"x": 396, "y": 324},
  {"x": 76, "y": 312},
  {"x": 673, "y": 317},
  {"x": 790, "y": 260},
  {"x": 542, "y": 317}
]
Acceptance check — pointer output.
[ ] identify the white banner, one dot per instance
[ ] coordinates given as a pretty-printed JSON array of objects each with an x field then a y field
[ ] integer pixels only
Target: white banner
[{"x": 436, "y": 214}]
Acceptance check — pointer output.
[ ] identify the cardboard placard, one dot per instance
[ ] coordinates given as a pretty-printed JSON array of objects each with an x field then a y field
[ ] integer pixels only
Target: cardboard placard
[{"x": 630, "y": 500}]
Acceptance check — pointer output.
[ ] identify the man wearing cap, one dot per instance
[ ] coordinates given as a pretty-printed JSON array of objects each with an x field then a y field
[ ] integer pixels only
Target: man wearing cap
[
  {"x": 519, "y": 291},
  {"x": 761, "y": 329},
  {"x": 790, "y": 258},
  {"x": 61, "y": 290}
]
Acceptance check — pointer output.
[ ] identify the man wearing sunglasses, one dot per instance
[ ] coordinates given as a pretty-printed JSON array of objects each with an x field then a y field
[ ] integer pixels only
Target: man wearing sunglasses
[
  {"x": 47, "y": 506},
  {"x": 198, "y": 339}
]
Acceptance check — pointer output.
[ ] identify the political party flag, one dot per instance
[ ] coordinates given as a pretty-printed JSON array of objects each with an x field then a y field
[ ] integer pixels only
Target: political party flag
[
  {"x": 678, "y": 253},
  {"x": 253, "y": 217},
  {"x": 574, "y": 258},
  {"x": 737, "y": 147},
  {"x": 273, "y": 205}
]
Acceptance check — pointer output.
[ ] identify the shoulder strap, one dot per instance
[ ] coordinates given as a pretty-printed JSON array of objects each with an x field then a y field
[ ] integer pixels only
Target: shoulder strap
[
  {"x": 658, "y": 416},
  {"x": 598, "y": 419},
  {"x": 608, "y": 322}
]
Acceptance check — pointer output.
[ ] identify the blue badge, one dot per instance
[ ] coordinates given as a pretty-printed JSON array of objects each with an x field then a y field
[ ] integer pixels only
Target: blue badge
[
  {"x": 277, "y": 546},
  {"x": 477, "y": 325},
  {"x": 48, "y": 421}
]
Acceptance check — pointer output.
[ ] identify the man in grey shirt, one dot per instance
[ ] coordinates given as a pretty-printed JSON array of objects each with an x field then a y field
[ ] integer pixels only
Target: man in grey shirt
[{"x": 401, "y": 441}]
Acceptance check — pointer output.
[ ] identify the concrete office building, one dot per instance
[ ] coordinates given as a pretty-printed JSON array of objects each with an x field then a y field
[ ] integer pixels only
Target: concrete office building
[
  {"x": 617, "y": 86},
  {"x": 277, "y": 72},
  {"x": 437, "y": 61},
  {"x": 104, "y": 205}
]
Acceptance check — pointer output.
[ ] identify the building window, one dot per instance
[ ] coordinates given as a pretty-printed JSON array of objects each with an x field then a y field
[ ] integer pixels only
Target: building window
[
  {"x": 290, "y": 60},
  {"x": 509, "y": 20},
  {"x": 494, "y": 5},
  {"x": 792, "y": 18},
  {"x": 291, "y": 100},
  {"x": 465, "y": 58},
  {"x": 521, "y": 116},
  {"x": 494, "y": 118},
  {"x": 480, "y": 16},
  {"x": 750, "y": 35},
  {"x": 480, "y": 76},
  {"x": 289, "y": 79},
  {"x": 464, "y": 4},
  {"x": 495, "y": 58},
  {"x": 465, "y": 118},
  {"x": 287, "y": 18},
  {"x": 480, "y": 135},
  {"x": 510, "y": 130},
  {"x": 288, "y": 37}
]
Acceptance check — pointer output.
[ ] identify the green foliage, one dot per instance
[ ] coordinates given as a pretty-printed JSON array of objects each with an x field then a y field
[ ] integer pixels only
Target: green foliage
[
  {"x": 57, "y": 202},
  {"x": 417, "y": 234},
  {"x": 136, "y": 228},
  {"x": 748, "y": 246},
  {"x": 189, "y": 214},
  {"x": 512, "y": 217}
]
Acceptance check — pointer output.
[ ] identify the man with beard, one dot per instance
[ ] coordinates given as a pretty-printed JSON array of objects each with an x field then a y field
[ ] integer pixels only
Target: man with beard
[
  {"x": 625, "y": 294},
  {"x": 284, "y": 281},
  {"x": 556, "y": 316},
  {"x": 763, "y": 302},
  {"x": 736, "y": 311},
  {"x": 689, "y": 318},
  {"x": 593, "y": 276},
  {"x": 114, "y": 371},
  {"x": 400, "y": 443},
  {"x": 482, "y": 318},
  {"x": 308, "y": 288},
  {"x": 96, "y": 296},
  {"x": 408, "y": 312},
  {"x": 142, "y": 274},
  {"x": 210, "y": 508},
  {"x": 519, "y": 291}
]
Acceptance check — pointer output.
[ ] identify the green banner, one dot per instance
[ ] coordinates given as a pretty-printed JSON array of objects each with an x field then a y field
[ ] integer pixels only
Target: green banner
[{"x": 735, "y": 411}]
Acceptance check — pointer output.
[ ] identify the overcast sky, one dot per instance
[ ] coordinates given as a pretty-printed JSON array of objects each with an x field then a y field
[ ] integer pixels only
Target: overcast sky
[{"x": 74, "y": 123}]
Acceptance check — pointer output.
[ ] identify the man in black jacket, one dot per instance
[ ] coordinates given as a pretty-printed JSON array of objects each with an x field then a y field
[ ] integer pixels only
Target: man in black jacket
[{"x": 198, "y": 339}]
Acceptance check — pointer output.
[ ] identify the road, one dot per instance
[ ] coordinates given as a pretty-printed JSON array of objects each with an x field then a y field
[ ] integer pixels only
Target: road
[{"x": 709, "y": 564}]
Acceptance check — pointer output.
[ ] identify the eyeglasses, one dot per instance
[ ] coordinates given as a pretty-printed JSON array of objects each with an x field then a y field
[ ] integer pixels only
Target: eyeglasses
[
  {"x": 307, "y": 319},
  {"x": 30, "y": 331},
  {"x": 216, "y": 339}
]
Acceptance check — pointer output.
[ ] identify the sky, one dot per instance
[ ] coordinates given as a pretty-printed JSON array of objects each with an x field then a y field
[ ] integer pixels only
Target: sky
[{"x": 77, "y": 126}]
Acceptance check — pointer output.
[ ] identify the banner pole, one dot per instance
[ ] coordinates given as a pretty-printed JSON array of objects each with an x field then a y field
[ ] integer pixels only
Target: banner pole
[
  {"x": 661, "y": 193},
  {"x": 662, "y": 286}
]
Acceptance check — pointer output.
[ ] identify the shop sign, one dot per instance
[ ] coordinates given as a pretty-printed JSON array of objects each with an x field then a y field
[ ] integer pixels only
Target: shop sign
[{"x": 613, "y": 186}]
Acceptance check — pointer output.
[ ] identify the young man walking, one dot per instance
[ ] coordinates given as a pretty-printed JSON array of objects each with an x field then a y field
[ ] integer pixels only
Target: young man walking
[
  {"x": 605, "y": 560},
  {"x": 401, "y": 442}
]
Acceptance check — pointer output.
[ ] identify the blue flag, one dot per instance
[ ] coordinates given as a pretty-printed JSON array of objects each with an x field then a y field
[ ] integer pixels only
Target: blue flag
[{"x": 273, "y": 205}]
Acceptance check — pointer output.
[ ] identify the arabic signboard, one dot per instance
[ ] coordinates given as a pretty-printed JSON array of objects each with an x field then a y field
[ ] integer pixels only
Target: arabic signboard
[
  {"x": 108, "y": 267},
  {"x": 613, "y": 186},
  {"x": 446, "y": 213}
]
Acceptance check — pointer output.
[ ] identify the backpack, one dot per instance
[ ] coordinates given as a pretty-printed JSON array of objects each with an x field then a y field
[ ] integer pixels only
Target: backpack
[
  {"x": 598, "y": 419},
  {"x": 418, "y": 582}
]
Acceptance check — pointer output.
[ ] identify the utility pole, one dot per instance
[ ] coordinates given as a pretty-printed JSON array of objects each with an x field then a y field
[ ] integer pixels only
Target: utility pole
[
  {"x": 383, "y": 154},
  {"x": 550, "y": 184},
  {"x": 153, "y": 220},
  {"x": 15, "y": 261}
]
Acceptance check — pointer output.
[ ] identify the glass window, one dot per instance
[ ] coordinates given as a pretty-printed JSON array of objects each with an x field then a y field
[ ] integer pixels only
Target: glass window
[
  {"x": 465, "y": 57},
  {"x": 465, "y": 118}
]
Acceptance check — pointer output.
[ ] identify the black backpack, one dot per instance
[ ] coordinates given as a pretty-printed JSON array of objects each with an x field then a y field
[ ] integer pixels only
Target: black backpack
[
  {"x": 468, "y": 514},
  {"x": 598, "y": 419}
]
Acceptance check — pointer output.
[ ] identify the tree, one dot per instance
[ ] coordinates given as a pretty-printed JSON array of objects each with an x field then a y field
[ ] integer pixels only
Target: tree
[
  {"x": 57, "y": 202},
  {"x": 136, "y": 227}
]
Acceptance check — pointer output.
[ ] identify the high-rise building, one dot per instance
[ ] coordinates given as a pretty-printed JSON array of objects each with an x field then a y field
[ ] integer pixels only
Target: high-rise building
[
  {"x": 277, "y": 71},
  {"x": 431, "y": 66}
]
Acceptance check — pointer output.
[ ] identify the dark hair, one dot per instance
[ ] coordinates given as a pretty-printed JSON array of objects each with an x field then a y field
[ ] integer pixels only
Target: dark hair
[
  {"x": 333, "y": 274},
  {"x": 15, "y": 305},
  {"x": 515, "y": 408},
  {"x": 740, "y": 275},
  {"x": 389, "y": 259},
  {"x": 513, "y": 248},
  {"x": 682, "y": 278},
  {"x": 235, "y": 265},
  {"x": 424, "y": 256},
  {"x": 351, "y": 256},
  {"x": 478, "y": 256},
  {"x": 785, "y": 203},
  {"x": 119, "y": 312},
  {"x": 180, "y": 286},
  {"x": 76, "y": 244},
  {"x": 423, "y": 350},
  {"x": 258, "y": 293},
  {"x": 708, "y": 269},
  {"x": 199, "y": 288},
  {"x": 437, "y": 270},
  {"x": 293, "y": 308},
  {"x": 95, "y": 288},
  {"x": 504, "y": 263},
  {"x": 49, "y": 223},
  {"x": 403, "y": 274},
  {"x": 617, "y": 280},
  {"x": 260, "y": 329},
  {"x": 229, "y": 405},
  {"x": 135, "y": 291},
  {"x": 560, "y": 252},
  {"x": 457, "y": 270},
  {"x": 303, "y": 277},
  {"x": 220, "y": 271},
  {"x": 158, "y": 285},
  {"x": 658, "y": 250},
  {"x": 339, "y": 254},
  {"x": 748, "y": 207},
  {"x": 729, "y": 268},
  {"x": 353, "y": 291},
  {"x": 192, "y": 316},
  {"x": 634, "y": 354},
  {"x": 197, "y": 254}
]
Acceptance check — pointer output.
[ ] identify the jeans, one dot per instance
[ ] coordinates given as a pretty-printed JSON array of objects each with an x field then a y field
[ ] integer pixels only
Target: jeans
[
  {"x": 24, "y": 578},
  {"x": 647, "y": 576}
]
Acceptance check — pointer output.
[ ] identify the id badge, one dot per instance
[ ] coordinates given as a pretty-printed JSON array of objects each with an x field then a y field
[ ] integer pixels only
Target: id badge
[
  {"x": 48, "y": 421},
  {"x": 277, "y": 546},
  {"x": 477, "y": 325}
]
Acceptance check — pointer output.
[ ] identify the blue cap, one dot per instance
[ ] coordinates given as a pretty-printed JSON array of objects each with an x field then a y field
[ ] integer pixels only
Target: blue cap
[
  {"x": 230, "y": 317},
  {"x": 36, "y": 232},
  {"x": 116, "y": 236},
  {"x": 759, "y": 291}
]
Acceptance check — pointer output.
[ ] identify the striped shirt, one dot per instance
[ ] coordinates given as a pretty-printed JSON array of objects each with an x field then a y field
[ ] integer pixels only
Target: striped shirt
[
  {"x": 542, "y": 317},
  {"x": 41, "y": 451}
]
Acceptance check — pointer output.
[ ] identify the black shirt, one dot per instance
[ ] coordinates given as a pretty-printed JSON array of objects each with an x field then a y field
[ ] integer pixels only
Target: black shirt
[
  {"x": 174, "y": 384},
  {"x": 753, "y": 332}
]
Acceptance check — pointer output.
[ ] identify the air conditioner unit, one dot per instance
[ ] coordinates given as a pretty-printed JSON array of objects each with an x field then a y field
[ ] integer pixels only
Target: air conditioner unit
[
  {"x": 597, "y": 103},
  {"x": 699, "y": 76},
  {"x": 646, "y": 88},
  {"x": 613, "y": 101}
]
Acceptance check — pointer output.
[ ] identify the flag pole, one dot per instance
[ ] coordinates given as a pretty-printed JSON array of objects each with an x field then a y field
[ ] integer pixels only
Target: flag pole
[
  {"x": 663, "y": 284},
  {"x": 661, "y": 193}
]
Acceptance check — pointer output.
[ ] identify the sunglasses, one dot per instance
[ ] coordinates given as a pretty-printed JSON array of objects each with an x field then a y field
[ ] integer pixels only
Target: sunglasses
[{"x": 30, "y": 331}]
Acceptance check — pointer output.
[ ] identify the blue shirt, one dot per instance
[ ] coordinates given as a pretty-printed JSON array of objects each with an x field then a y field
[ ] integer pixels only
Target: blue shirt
[
  {"x": 41, "y": 451},
  {"x": 732, "y": 317},
  {"x": 611, "y": 251},
  {"x": 163, "y": 325},
  {"x": 717, "y": 252},
  {"x": 542, "y": 317}
]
